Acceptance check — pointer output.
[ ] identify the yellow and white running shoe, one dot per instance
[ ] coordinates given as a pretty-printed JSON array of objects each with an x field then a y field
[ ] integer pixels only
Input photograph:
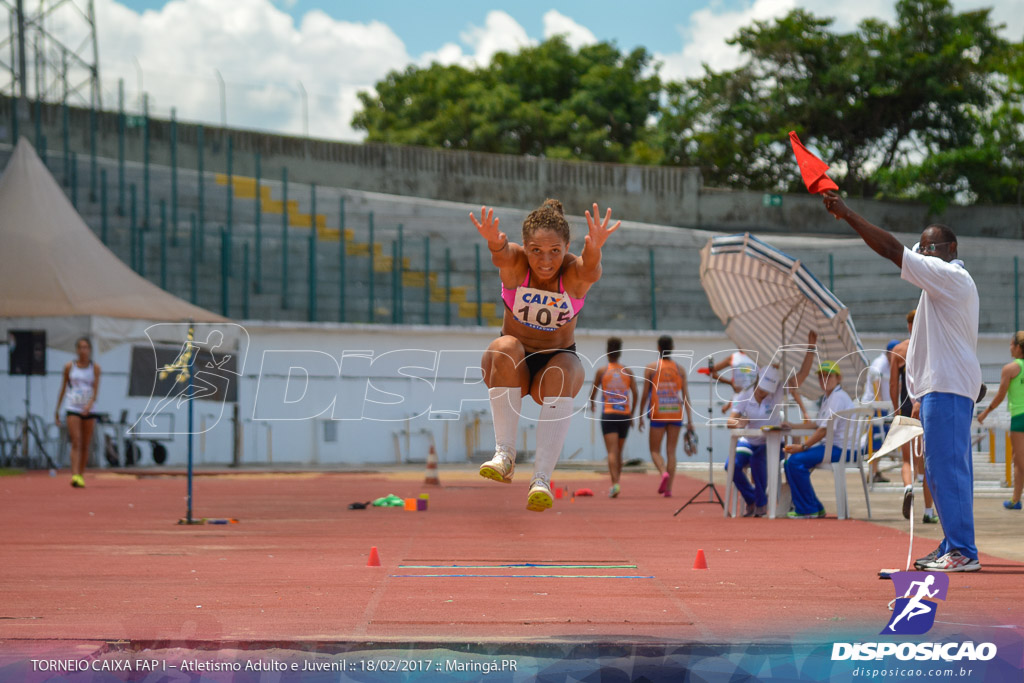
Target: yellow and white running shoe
[
  {"x": 501, "y": 467},
  {"x": 540, "y": 498}
]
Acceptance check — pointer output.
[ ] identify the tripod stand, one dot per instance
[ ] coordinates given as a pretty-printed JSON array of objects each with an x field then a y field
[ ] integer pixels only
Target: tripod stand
[{"x": 713, "y": 495}]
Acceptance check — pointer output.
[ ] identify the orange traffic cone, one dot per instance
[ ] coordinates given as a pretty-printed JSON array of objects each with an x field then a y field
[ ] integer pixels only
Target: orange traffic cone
[
  {"x": 374, "y": 560},
  {"x": 432, "y": 479},
  {"x": 700, "y": 562}
]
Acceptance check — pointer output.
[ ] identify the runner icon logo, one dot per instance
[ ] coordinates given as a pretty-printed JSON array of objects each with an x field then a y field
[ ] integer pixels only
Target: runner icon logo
[{"x": 914, "y": 608}]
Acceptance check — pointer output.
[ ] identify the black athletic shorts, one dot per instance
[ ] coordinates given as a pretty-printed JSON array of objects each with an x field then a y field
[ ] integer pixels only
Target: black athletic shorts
[
  {"x": 90, "y": 416},
  {"x": 535, "y": 362},
  {"x": 616, "y": 424}
]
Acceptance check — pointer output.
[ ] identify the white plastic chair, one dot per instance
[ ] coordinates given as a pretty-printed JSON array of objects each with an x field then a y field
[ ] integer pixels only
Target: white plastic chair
[{"x": 855, "y": 426}]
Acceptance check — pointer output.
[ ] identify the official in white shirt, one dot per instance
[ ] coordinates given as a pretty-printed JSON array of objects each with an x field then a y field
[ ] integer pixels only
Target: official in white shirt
[{"x": 942, "y": 373}]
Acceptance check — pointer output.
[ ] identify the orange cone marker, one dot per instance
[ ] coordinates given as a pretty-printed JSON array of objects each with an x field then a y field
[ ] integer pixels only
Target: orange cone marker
[
  {"x": 374, "y": 560},
  {"x": 432, "y": 479},
  {"x": 700, "y": 562}
]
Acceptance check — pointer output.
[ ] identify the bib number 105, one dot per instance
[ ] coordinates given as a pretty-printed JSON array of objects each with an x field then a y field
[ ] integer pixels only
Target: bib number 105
[{"x": 543, "y": 316}]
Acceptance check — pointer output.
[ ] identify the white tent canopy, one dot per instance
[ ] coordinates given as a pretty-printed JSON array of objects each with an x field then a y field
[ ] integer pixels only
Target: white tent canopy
[{"x": 56, "y": 274}]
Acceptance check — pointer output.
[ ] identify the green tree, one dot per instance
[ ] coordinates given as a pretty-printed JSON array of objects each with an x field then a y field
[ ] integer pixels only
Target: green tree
[
  {"x": 590, "y": 104},
  {"x": 883, "y": 104}
]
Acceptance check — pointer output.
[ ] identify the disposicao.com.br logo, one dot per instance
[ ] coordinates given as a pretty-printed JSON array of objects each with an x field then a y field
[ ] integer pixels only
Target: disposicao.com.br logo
[{"x": 913, "y": 613}]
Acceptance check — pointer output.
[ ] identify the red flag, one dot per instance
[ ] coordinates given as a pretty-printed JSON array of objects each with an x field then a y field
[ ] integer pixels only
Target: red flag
[{"x": 811, "y": 168}]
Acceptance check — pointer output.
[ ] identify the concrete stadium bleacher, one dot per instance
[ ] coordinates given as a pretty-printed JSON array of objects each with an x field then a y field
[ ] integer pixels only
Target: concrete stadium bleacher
[{"x": 868, "y": 284}]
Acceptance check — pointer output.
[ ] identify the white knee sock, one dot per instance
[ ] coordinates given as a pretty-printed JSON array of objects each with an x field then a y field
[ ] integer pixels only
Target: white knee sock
[
  {"x": 551, "y": 432},
  {"x": 506, "y": 402}
]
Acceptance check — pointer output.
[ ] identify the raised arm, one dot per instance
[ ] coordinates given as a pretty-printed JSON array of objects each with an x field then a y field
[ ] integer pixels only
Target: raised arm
[
  {"x": 1010, "y": 371},
  {"x": 805, "y": 367},
  {"x": 95, "y": 387},
  {"x": 504, "y": 254},
  {"x": 588, "y": 263},
  {"x": 881, "y": 241},
  {"x": 597, "y": 382},
  {"x": 60, "y": 396}
]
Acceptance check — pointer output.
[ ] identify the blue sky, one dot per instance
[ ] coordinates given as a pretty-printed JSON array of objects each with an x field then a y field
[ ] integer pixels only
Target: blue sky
[
  {"x": 297, "y": 66},
  {"x": 652, "y": 24}
]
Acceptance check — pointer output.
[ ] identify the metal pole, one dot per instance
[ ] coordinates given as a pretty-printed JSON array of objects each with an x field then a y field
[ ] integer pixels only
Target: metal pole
[
  {"x": 370, "y": 316},
  {"x": 120, "y": 147},
  {"x": 145, "y": 160},
  {"x": 142, "y": 253},
  {"x": 426, "y": 279},
  {"x": 401, "y": 268},
  {"x": 1016, "y": 293},
  {"x": 93, "y": 173},
  {"x": 191, "y": 419},
  {"x": 193, "y": 269},
  {"x": 174, "y": 178},
  {"x": 163, "y": 244},
  {"x": 654, "y": 296},
  {"x": 22, "y": 69},
  {"x": 284, "y": 238},
  {"x": 74, "y": 180},
  {"x": 312, "y": 254},
  {"x": 394, "y": 282},
  {"x": 199, "y": 167},
  {"x": 259, "y": 229},
  {"x": 447, "y": 286},
  {"x": 223, "y": 100},
  {"x": 225, "y": 249},
  {"x": 479, "y": 290},
  {"x": 245, "y": 281},
  {"x": 133, "y": 229},
  {"x": 65, "y": 133},
  {"x": 831, "y": 274},
  {"x": 104, "y": 221},
  {"x": 341, "y": 260},
  {"x": 231, "y": 194}
]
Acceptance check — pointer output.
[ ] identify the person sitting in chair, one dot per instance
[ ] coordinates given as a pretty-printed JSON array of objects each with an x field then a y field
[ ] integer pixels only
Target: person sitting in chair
[{"x": 803, "y": 457}]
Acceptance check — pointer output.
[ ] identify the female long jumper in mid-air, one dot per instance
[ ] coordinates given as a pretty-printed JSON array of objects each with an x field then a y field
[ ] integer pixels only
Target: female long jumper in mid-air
[{"x": 543, "y": 287}]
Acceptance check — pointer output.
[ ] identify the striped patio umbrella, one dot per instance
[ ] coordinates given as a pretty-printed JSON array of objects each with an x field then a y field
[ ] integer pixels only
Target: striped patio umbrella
[{"x": 769, "y": 301}]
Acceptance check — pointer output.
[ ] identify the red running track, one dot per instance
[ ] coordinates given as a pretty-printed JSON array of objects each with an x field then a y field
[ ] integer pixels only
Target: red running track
[{"x": 109, "y": 562}]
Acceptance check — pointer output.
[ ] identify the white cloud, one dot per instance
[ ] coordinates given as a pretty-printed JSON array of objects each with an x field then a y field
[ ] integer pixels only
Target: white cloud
[
  {"x": 260, "y": 52},
  {"x": 703, "y": 39},
  {"x": 500, "y": 33},
  {"x": 577, "y": 35}
]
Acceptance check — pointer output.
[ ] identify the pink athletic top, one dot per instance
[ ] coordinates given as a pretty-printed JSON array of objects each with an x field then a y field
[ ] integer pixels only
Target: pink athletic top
[{"x": 539, "y": 308}]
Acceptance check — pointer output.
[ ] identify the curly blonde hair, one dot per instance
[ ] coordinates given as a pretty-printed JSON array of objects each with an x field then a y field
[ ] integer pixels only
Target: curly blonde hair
[{"x": 549, "y": 216}]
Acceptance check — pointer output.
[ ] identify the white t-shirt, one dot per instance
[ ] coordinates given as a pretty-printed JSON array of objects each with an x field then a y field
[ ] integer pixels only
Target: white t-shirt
[
  {"x": 943, "y": 353},
  {"x": 767, "y": 412},
  {"x": 835, "y": 402},
  {"x": 877, "y": 386}
]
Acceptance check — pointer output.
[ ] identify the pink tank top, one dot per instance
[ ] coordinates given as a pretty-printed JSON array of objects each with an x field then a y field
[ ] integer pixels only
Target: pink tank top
[{"x": 541, "y": 309}]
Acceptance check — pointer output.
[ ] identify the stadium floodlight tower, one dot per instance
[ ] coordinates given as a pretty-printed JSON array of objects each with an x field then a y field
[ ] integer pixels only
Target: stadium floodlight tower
[{"x": 50, "y": 45}]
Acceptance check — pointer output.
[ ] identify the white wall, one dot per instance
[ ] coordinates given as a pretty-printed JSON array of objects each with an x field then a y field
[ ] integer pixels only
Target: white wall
[{"x": 372, "y": 399}]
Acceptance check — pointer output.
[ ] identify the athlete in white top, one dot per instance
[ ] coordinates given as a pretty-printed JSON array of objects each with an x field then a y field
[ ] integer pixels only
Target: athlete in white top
[{"x": 78, "y": 389}]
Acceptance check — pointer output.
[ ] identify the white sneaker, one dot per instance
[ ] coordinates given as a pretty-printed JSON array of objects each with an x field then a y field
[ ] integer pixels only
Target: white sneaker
[
  {"x": 501, "y": 467},
  {"x": 930, "y": 557},
  {"x": 953, "y": 561},
  {"x": 540, "y": 498}
]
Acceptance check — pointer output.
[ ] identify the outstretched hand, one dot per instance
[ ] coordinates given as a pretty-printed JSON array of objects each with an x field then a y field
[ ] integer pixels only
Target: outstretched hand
[
  {"x": 487, "y": 226},
  {"x": 598, "y": 233},
  {"x": 812, "y": 338},
  {"x": 835, "y": 206}
]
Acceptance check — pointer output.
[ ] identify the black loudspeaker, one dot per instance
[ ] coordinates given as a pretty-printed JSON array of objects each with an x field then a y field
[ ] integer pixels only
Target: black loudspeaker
[{"x": 27, "y": 350}]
